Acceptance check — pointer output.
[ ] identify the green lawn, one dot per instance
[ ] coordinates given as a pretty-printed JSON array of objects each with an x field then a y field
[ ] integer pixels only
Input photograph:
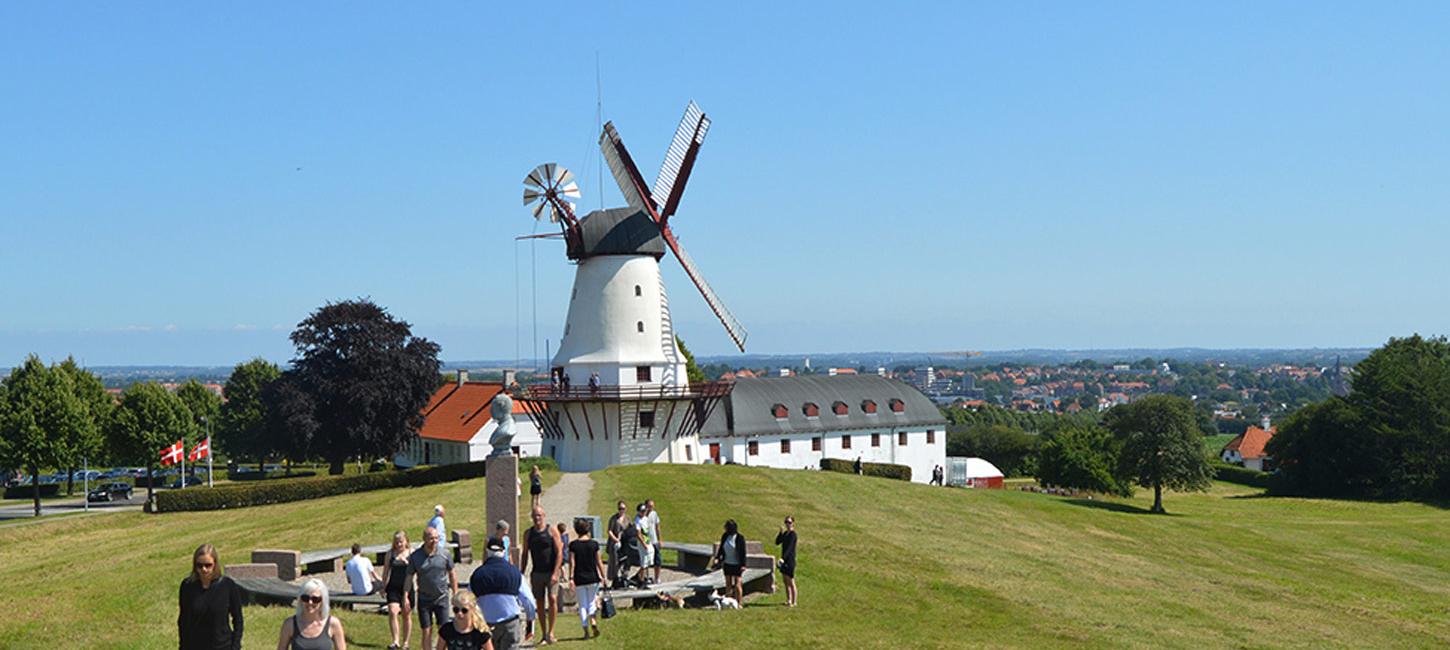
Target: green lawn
[
  {"x": 1214, "y": 444},
  {"x": 882, "y": 564}
]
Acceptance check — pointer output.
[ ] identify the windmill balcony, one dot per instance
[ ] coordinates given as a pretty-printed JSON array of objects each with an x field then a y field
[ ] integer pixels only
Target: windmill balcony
[{"x": 615, "y": 393}]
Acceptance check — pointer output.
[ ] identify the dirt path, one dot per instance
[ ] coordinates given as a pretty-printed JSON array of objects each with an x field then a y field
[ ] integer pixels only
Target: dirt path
[{"x": 568, "y": 497}]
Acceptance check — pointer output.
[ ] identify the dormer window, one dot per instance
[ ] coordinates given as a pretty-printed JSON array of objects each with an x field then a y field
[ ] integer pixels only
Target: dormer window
[
  {"x": 780, "y": 411},
  {"x": 868, "y": 407},
  {"x": 811, "y": 410},
  {"x": 839, "y": 408},
  {"x": 897, "y": 406}
]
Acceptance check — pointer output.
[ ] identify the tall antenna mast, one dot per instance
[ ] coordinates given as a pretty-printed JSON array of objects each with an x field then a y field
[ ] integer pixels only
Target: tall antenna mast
[{"x": 599, "y": 121}]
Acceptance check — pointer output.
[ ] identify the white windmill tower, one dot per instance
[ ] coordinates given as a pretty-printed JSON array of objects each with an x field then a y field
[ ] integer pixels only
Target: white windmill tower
[{"x": 620, "y": 394}]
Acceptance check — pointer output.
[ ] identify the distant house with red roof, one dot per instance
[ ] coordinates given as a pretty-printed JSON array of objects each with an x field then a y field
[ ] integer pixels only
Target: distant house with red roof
[
  {"x": 457, "y": 426},
  {"x": 1248, "y": 448}
]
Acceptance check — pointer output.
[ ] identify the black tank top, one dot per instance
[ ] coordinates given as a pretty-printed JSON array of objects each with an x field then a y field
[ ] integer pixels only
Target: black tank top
[
  {"x": 399, "y": 574},
  {"x": 541, "y": 550}
]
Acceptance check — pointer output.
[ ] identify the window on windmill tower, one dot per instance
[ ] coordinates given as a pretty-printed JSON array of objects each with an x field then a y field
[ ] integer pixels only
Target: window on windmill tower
[
  {"x": 647, "y": 419},
  {"x": 868, "y": 407},
  {"x": 638, "y": 291},
  {"x": 897, "y": 406},
  {"x": 639, "y": 326},
  {"x": 811, "y": 410},
  {"x": 641, "y": 374},
  {"x": 779, "y": 411}
]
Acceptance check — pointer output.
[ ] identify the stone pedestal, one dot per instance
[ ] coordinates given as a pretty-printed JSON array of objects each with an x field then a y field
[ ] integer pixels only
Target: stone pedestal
[{"x": 502, "y": 497}]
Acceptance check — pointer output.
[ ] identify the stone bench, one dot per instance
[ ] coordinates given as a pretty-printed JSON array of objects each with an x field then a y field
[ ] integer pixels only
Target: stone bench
[
  {"x": 288, "y": 562},
  {"x": 251, "y": 570},
  {"x": 753, "y": 580}
]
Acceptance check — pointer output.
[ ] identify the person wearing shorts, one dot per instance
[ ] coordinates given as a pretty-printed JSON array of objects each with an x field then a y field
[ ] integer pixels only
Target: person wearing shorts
[
  {"x": 543, "y": 548},
  {"x": 433, "y": 569}
]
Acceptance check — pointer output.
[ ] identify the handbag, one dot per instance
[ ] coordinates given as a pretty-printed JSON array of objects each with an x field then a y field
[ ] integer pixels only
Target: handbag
[{"x": 606, "y": 607}]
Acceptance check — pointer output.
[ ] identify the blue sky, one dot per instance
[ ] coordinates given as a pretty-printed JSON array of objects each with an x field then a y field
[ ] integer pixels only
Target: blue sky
[{"x": 181, "y": 186}]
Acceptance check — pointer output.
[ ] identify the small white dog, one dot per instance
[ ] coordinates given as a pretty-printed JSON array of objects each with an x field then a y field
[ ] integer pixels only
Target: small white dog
[{"x": 723, "y": 602}]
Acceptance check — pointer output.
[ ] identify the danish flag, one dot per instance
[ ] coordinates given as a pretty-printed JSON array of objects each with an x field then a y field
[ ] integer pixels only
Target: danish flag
[
  {"x": 172, "y": 455},
  {"x": 202, "y": 450}
]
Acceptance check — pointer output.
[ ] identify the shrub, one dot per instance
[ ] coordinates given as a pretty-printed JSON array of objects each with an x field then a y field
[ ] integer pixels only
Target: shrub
[
  {"x": 241, "y": 477},
  {"x": 884, "y": 470},
  {"x": 1240, "y": 475},
  {"x": 242, "y": 496},
  {"x": 27, "y": 491}
]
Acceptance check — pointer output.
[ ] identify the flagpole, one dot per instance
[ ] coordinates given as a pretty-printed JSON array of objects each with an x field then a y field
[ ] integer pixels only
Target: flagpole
[
  {"x": 183, "y": 462},
  {"x": 209, "y": 455}
]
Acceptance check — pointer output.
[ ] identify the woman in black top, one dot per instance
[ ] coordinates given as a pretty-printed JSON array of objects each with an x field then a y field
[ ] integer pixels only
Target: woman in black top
[
  {"x": 398, "y": 587},
  {"x": 208, "y": 599},
  {"x": 785, "y": 539},
  {"x": 588, "y": 568},
  {"x": 536, "y": 486},
  {"x": 731, "y": 558},
  {"x": 467, "y": 630}
]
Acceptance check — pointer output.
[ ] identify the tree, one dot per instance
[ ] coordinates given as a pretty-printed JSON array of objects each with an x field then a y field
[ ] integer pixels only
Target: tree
[
  {"x": 1323, "y": 450},
  {"x": 290, "y": 424},
  {"x": 204, "y": 405},
  {"x": 1007, "y": 447},
  {"x": 86, "y": 441},
  {"x": 148, "y": 419},
  {"x": 367, "y": 379},
  {"x": 692, "y": 370},
  {"x": 1402, "y": 394},
  {"x": 243, "y": 417},
  {"x": 38, "y": 410},
  {"x": 1082, "y": 458},
  {"x": 1162, "y": 446}
]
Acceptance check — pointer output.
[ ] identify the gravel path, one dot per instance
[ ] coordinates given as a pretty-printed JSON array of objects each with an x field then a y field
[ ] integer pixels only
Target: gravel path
[{"x": 568, "y": 497}]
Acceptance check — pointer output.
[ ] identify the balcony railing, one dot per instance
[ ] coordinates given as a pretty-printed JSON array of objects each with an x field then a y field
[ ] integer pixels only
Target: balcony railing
[{"x": 547, "y": 392}]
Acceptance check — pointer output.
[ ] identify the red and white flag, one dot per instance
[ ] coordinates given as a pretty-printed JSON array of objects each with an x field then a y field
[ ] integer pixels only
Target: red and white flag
[
  {"x": 173, "y": 454},
  {"x": 200, "y": 451}
]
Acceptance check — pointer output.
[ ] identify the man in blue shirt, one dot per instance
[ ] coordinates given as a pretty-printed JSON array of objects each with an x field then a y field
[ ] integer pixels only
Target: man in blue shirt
[
  {"x": 436, "y": 523},
  {"x": 503, "y": 597}
]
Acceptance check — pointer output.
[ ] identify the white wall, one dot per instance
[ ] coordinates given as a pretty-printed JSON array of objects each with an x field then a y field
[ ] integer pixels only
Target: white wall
[
  {"x": 601, "y": 332},
  {"x": 916, "y": 454}
]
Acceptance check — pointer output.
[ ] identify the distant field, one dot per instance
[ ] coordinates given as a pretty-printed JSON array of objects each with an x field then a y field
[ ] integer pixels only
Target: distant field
[
  {"x": 883, "y": 564},
  {"x": 1214, "y": 444}
]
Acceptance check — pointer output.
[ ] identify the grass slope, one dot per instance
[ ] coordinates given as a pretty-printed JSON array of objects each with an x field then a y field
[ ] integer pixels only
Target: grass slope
[
  {"x": 110, "y": 581},
  {"x": 885, "y": 564},
  {"x": 882, "y": 564}
]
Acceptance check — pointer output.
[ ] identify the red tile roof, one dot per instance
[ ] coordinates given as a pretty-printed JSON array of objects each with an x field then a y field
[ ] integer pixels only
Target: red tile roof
[
  {"x": 457, "y": 412},
  {"x": 1250, "y": 444}
]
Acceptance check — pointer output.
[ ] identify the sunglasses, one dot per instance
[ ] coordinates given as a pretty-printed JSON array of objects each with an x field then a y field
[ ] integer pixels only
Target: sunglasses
[
  {"x": 460, "y": 610},
  {"x": 311, "y": 599},
  {"x": 204, "y": 565}
]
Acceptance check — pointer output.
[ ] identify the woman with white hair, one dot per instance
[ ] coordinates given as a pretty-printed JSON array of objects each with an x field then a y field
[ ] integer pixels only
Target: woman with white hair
[{"x": 313, "y": 626}]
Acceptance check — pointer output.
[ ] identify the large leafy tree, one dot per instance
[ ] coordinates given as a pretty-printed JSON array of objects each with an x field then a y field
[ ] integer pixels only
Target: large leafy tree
[
  {"x": 1322, "y": 450},
  {"x": 148, "y": 419},
  {"x": 1402, "y": 396},
  {"x": 204, "y": 405},
  {"x": 1009, "y": 448},
  {"x": 291, "y": 422},
  {"x": 1162, "y": 446},
  {"x": 1083, "y": 458},
  {"x": 86, "y": 441},
  {"x": 39, "y": 410},
  {"x": 243, "y": 432},
  {"x": 367, "y": 379}
]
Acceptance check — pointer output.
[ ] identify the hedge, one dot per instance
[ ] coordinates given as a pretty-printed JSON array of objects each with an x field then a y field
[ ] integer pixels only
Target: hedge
[
  {"x": 27, "y": 491},
  {"x": 884, "y": 470},
  {"x": 256, "y": 494},
  {"x": 242, "y": 477},
  {"x": 242, "y": 496},
  {"x": 1240, "y": 475}
]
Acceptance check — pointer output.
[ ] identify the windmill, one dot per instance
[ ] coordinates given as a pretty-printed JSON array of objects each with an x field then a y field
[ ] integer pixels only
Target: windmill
[{"x": 619, "y": 392}]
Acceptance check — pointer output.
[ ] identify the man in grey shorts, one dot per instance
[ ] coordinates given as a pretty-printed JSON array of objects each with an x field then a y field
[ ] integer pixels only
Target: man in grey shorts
[{"x": 436, "y": 583}]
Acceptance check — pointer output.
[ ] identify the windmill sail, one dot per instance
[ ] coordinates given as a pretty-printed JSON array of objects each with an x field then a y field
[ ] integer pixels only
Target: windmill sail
[
  {"x": 733, "y": 327},
  {"x": 626, "y": 174},
  {"x": 679, "y": 160}
]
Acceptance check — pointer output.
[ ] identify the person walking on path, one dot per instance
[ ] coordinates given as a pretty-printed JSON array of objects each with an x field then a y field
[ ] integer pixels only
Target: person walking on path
[
  {"x": 502, "y": 596},
  {"x": 588, "y": 568},
  {"x": 398, "y": 586},
  {"x": 615, "y": 532},
  {"x": 542, "y": 545},
  {"x": 436, "y": 523},
  {"x": 653, "y": 517},
  {"x": 563, "y": 545},
  {"x": 501, "y": 531},
  {"x": 207, "y": 600},
  {"x": 731, "y": 557},
  {"x": 467, "y": 631},
  {"x": 361, "y": 574},
  {"x": 856, "y": 466},
  {"x": 536, "y": 486},
  {"x": 313, "y": 627},
  {"x": 436, "y": 582},
  {"x": 786, "y": 540}
]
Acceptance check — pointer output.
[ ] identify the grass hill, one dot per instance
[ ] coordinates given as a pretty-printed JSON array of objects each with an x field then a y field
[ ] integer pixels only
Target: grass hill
[{"x": 882, "y": 564}]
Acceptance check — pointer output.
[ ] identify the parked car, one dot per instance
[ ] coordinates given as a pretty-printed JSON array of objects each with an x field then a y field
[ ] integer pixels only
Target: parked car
[
  {"x": 190, "y": 480},
  {"x": 116, "y": 472},
  {"x": 82, "y": 475},
  {"x": 138, "y": 472},
  {"x": 110, "y": 492}
]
